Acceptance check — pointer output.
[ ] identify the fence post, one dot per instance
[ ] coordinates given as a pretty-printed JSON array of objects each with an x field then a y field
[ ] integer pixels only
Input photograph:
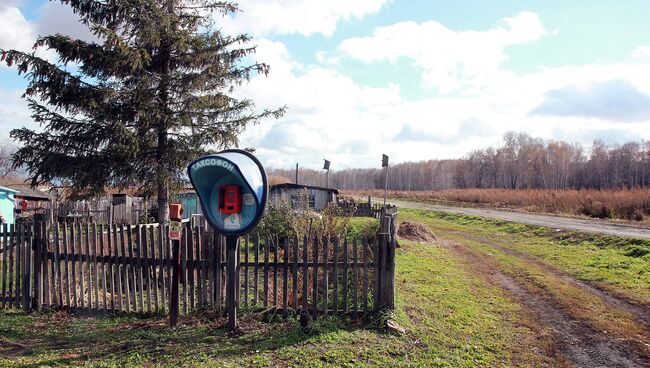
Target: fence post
[
  {"x": 176, "y": 273},
  {"x": 27, "y": 269},
  {"x": 232, "y": 270},
  {"x": 37, "y": 248},
  {"x": 386, "y": 261}
]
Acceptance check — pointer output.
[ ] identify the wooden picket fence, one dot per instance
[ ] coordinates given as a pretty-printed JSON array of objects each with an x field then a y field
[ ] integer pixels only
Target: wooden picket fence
[{"x": 128, "y": 268}]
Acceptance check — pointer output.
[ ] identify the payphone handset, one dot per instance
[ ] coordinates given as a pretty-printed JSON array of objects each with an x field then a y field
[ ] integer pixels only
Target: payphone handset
[
  {"x": 232, "y": 188},
  {"x": 230, "y": 199}
]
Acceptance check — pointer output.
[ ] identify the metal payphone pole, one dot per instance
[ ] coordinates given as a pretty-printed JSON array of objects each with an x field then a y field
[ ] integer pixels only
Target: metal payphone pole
[{"x": 232, "y": 270}]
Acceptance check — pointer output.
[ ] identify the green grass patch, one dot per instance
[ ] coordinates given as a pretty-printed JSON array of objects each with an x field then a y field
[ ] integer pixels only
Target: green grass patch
[
  {"x": 362, "y": 227},
  {"x": 619, "y": 264}
]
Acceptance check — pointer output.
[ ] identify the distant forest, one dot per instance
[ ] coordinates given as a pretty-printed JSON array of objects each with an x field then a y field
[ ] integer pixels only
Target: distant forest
[{"x": 521, "y": 162}]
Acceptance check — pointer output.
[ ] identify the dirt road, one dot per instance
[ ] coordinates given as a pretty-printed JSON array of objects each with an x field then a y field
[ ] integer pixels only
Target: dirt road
[{"x": 556, "y": 222}]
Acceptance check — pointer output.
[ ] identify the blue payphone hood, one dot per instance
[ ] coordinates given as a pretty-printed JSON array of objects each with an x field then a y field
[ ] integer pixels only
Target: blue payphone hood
[{"x": 207, "y": 174}]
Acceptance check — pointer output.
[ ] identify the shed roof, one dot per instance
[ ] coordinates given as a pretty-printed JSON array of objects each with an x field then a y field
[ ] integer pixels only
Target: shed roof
[
  {"x": 300, "y": 186},
  {"x": 27, "y": 192},
  {"x": 8, "y": 189}
]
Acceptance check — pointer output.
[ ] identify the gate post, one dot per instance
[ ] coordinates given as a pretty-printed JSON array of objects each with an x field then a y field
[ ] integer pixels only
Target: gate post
[
  {"x": 386, "y": 261},
  {"x": 232, "y": 271}
]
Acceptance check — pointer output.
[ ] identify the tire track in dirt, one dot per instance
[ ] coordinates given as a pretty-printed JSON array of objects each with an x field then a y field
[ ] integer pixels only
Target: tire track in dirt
[
  {"x": 640, "y": 311},
  {"x": 574, "y": 339}
]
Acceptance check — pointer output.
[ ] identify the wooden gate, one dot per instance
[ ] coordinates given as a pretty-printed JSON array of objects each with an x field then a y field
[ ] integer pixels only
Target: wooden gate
[{"x": 128, "y": 268}]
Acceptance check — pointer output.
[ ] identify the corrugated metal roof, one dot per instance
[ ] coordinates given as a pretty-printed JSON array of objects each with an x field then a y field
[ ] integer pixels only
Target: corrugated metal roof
[
  {"x": 27, "y": 192},
  {"x": 299, "y": 186}
]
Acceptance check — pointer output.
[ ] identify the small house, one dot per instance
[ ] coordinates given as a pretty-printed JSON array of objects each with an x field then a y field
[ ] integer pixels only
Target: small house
[
  {"x": 7, "y": 204},
  {"x": 30, "y": 201},
  {"x": 319, "y": 197}
]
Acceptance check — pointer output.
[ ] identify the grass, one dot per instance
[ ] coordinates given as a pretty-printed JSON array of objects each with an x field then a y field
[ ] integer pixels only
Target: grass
[
  {"x": 627, "y": 204},
  {"x": 620, "y": 265},
  {"x": 453, "y": 318},
  {"x": 359, "y": 227}
]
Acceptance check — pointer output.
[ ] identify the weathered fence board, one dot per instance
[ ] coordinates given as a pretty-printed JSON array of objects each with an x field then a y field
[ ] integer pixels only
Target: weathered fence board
[{"x": 124, "y": 268}]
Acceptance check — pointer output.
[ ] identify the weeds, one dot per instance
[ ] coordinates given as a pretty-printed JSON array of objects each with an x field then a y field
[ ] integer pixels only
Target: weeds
[{"x": 627, "y": 204}]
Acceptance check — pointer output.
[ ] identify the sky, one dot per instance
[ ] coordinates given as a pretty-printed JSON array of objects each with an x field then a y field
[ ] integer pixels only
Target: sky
[{"x": 414, "y": 79}]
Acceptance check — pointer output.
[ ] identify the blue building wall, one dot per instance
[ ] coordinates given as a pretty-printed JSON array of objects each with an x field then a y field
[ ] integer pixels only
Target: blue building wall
[{"x": 7, "y": 204}]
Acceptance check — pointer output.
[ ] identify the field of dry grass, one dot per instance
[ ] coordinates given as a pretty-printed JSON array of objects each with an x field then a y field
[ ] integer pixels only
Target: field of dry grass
[{"x": 627, "y": 204}]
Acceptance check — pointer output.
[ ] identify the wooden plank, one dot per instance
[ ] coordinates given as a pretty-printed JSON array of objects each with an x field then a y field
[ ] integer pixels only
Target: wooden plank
[
  {"x": 184, "y": 269},
  {"x": 144, "y": 255},
  {"x": 345, "y": 276},
  {"x": 49, "y": 270},
  {"x": 161, "y": 269},
  {"x": 93, "y": 246},
  {"x": 66, "y": 264},
  {"x": 137, "y": 286},
  {"x": 305, "y": 276},
  {"x": 12, "y": 250},
  {"x": 110, "y": 239},
  {"x": 325, "y": 275},
  {"x": 256, "y": 271},
  {"x": 78, "y": 249},
  {"x": 266, "y": 271},
  {"x": 169, "y": 260},
  {"x": 43, "y": 257},
  {"x": 209, "y": 246},
  {"x": 335, "y": 276},
  {"x": 57, "y": 267},
  {"x": 365, "y": 277},
  {"x": 89, "y": 267},
  {"x": 131, "y": 277},
  {"x": 124, "y": 265},
  {"x": 202, "y": 255},
  {"x": 103, "y": 265},
  {"x": 119, "y": 263},
  {"x": 315, "y": 280},
  {"x": 355, "y": 280},
  {"x": 246, "y": 248},
  {"x": 217, "y": 270},
  {"x": 19, "y": 264},
  {"x": 73, "y": 246},
  {"x": 190, "y": 266},
  {"x": 275, "y": 273},
  {"x": 5, "y": 250},
  {"x": 26, "y": 285},
  {"x": 295, "y": 273},
  {"x": 153, "y": 273},
  {"x": 285, "y": 279}
]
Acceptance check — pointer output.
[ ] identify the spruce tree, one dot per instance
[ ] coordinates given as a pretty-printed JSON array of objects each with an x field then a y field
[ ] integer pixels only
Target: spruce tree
[{"x": 133, "y": 108}]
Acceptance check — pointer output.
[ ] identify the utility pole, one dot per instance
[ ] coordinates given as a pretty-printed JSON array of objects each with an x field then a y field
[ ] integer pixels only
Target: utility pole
[
  {"x": 384, "y": 164},
  {"x": 296, "y": 173}
]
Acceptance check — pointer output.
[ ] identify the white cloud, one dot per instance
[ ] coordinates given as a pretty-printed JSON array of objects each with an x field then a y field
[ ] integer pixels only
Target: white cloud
[
  {"x": 305, "y": 17},
  {"x": 641, "y": 53},
  {"x": 16, "y": 32},
  {"x": 450, "y": 59},
  {"x": 330, "y": 115}
]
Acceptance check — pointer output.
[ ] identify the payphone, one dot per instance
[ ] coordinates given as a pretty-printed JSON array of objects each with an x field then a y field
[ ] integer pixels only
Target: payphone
[{"x": 232, "y": 187}]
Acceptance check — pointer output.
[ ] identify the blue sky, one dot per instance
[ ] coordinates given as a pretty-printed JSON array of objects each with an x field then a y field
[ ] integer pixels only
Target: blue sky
[{"x": 414, "y": 79}]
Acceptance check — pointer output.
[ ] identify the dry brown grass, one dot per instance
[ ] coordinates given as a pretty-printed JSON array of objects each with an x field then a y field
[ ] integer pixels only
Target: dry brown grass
[{"x": 628, "y": 204}]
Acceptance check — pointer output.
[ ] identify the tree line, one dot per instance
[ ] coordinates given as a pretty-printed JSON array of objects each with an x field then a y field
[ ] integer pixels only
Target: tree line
[{"x": 520, "y": 162}]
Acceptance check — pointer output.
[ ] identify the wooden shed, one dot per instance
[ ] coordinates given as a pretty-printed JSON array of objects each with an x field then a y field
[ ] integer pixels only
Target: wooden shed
[
  {"x": 319, "y": 197},
  {"x": 122, "y": 208}
]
